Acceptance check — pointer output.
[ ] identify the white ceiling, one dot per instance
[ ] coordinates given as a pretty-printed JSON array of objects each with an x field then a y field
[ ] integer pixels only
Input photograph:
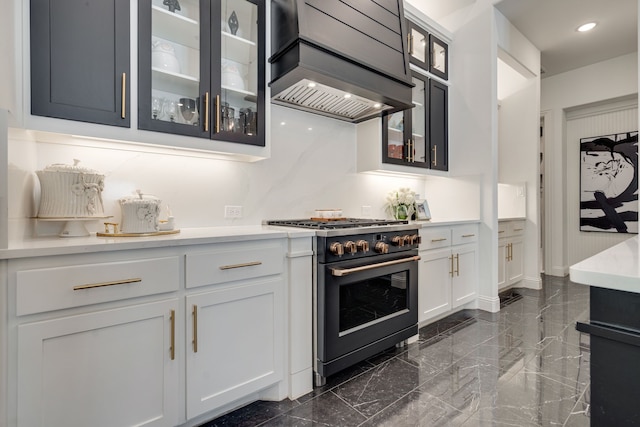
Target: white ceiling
[{"x": 551, "y": 26}]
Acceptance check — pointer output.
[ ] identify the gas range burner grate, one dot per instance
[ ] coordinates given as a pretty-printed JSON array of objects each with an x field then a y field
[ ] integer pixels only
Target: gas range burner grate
[{"x": 335, "y": 224}]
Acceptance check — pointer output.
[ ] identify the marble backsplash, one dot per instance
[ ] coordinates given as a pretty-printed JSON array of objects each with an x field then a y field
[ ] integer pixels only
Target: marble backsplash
[{"x": 312, "y": 166}]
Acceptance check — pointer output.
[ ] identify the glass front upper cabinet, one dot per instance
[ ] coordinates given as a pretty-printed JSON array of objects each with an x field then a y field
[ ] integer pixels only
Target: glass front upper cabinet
[
  {"x": 418, "y": 45},
  {"x": 405, "y": 132},
  {"x": 202, "y": 67}
]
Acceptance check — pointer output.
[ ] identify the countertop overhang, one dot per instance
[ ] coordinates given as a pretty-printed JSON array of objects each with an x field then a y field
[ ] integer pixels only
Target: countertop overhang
[{"x": 615, "y": 268}]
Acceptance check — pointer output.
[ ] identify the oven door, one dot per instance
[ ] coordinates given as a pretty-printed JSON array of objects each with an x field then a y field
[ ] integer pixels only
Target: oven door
[{"x": 360, "y": 302}]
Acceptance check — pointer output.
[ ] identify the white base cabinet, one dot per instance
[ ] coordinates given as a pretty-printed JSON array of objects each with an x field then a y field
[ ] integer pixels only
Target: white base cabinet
[
  {"x": 149, "y": 337},
  {"x": 108, "y": 368},
  {"x": 235, "y": 341},
  {"x": 510, "y": 253},
  {"x": 448, "y": 273}
]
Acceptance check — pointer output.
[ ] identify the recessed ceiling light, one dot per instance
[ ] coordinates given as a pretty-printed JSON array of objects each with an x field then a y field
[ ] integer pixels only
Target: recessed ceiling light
[
  {"x": 586, "y": 27},
  {"x": 282, "y": 123}
]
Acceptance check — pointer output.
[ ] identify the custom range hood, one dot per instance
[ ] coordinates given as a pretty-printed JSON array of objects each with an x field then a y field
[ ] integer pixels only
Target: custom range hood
[{"x": 345, "y": 59}]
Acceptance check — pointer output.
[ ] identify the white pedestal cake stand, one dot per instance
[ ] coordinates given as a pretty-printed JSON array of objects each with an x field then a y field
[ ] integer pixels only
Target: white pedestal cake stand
[{"x": 74, "y": 226}]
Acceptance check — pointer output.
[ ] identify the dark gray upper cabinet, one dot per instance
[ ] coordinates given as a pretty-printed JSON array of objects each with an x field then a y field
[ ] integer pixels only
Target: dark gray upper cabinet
[
  {"x": 202, "y": 69},
  {"x": 80, "y": 60},
  {"x": 438, "y": 57},
  {"x": 418, "y": 45}
]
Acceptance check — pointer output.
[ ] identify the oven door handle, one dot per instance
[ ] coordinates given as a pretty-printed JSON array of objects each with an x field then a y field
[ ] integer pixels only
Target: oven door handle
[{"x": 339, "y": 272}]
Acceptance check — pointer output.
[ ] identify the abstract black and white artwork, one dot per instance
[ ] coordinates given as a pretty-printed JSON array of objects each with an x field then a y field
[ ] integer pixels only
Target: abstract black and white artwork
[{"x": 609, "y": 183}]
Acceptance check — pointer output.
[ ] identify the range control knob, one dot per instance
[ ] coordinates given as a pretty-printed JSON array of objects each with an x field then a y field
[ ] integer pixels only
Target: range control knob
[
  {"x": 416, "y": 239},
  {"x": 381, "y": 248},
  {"x": 362, "y": 246},
  {"x": 336, "y": 248},
  {"x": 408, "y": 240},
  {"x": 398, "y": 241},
  {"x": 350, "y": 247}
]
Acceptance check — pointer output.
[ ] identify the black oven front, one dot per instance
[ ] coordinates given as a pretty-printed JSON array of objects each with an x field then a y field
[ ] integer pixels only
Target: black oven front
[{"x": 364, "y": 306}]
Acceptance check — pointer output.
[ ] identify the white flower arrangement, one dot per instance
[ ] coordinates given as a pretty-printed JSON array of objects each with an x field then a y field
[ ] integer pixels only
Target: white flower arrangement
[{"x": 399, "y": 200}]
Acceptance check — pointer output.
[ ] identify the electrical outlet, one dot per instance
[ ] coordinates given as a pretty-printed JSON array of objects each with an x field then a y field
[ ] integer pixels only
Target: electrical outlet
[
  {"x": 233, "y": 211},
  {"x": 366, "y": 211}
]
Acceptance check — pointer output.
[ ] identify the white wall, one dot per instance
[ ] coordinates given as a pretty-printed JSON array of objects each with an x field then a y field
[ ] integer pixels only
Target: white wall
[
  {"x": 473, "y": 137},
  {"x": 605, "y": 80},
  {"x": 308, "y": 169}
]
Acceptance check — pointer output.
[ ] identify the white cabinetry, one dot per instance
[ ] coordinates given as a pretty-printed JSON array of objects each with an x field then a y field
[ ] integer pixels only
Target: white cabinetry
[
  {"x": 151, "y": 337},
  {"x": 235, "y": 330},
  {"x": 74, "y": 369},
  {"x": 510, "y": 253},
  {"x": 448, "y": 274}
]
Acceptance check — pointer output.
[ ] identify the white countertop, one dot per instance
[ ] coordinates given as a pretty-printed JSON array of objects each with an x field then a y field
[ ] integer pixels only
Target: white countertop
[
  {"x": 615, "y": 268},
  {"x": 47, "y": 246},
  {"x": 187, "y": 236}
]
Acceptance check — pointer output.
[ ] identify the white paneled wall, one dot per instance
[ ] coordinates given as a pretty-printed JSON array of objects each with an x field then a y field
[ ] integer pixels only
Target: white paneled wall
[{"x": 602, "y": 119}]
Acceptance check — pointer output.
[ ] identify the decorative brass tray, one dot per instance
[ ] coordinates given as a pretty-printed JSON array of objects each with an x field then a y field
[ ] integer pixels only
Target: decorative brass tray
[
  {"x": 153, "y": 233},
  {"x": 111, "y": 230}
]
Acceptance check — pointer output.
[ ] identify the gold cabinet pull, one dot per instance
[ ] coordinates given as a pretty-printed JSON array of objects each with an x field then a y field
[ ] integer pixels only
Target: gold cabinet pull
[
  {"x": 410, "y": 43},
  {"x": 206, "y": 111},
  {"x": 246, "y": 264},
  {"x": 194, "y": 314},
  {"x": 434, "y": 162},
  {"x": 172, "y": 349},
  {"x": 451, "y": 269},
  {"x": 104, "y": 284},
  {"x": 123, "y": 112},
  {"x": 441, "y": 239},
  {"x": 217, "y": 113},
  {"x": 501, "y": 231},
  {"x": 457, "y": 264},
  {"x": 518, "y": 229},
  {"x": 468, "y": 235}
]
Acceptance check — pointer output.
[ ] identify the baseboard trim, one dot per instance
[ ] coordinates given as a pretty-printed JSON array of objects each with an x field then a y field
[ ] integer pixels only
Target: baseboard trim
[
  {"x": 490, "y": 304},
  {"x": 531, "y": 283}
]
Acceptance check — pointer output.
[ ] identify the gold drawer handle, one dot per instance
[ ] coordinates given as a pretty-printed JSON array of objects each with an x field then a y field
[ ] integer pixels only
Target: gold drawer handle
[
  {"x": 501, "y": 231},
  {"x": 103, "y": 284},
  {"x": 468, "y": 235},
  {"x": 438, "y": 240},
  {"x": 173, "y": 334},
  {"x": 518, "y": 229},
  {"x": 123, "y": 107},
  {"x": 246, "y": 264}
]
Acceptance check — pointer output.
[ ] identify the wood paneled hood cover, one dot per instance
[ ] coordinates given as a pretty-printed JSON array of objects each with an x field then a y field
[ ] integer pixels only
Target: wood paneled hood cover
[{"x": 345, "y": 59}]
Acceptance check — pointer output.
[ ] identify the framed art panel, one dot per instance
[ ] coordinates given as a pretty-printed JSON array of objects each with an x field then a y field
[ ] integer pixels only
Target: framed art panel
[{"x": 609, "y": 183}]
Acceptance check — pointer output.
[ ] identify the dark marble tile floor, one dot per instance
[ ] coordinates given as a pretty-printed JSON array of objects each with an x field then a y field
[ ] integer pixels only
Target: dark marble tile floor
[{"x": 523, "y": 366}]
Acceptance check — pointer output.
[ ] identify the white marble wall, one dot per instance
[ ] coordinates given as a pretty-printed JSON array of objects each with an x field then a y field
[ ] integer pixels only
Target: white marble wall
[{"x": 312, "y": 165}]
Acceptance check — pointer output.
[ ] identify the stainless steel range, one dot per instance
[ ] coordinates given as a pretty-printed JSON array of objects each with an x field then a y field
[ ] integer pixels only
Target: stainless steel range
[{"x": 365, "y": 289}]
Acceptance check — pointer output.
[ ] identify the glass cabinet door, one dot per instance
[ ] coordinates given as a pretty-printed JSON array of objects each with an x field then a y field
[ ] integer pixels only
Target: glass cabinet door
[
  {"x": 393, "y": 129},
  {"x": 172, "y": 89},
  {"x": 202, "y": 68},
  {"x": 418, "y": 45},
  {"x": 239, "y": 92},
  {"x": 418, "y": 122}
]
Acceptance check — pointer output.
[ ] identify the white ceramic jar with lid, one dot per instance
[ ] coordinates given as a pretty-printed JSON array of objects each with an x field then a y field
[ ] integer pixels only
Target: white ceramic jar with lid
[{"x": 140, "y": 214}]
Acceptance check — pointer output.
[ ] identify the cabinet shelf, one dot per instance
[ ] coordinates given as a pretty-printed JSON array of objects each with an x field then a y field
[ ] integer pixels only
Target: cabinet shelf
[
  {"x": 237, "y": 49},
  {"x": 240, "y": 91},
  {"x": 175, "y": 82},
  {"x": 176, "y": 28}
]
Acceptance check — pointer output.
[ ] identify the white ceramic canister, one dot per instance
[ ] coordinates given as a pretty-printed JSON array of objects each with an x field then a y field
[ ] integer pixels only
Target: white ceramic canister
[
  {"x": 140, "y": 214},
  {"x": 68, "y": 191},
  {"x": 163, "y": 56}
]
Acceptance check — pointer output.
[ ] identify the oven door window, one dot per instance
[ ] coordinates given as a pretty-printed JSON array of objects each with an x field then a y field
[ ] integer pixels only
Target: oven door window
[{"x": 371, "y": 300}]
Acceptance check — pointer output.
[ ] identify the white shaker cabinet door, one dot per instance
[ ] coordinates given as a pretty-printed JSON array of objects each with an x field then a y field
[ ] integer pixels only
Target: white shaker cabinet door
[
  {"x": 102, "y": 369},
  {"x": 434, "y": 290},
  {"x": 234, "y": 343}
]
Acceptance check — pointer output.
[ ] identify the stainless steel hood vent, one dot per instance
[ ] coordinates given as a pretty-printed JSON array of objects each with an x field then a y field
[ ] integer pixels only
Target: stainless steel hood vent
[
  {"x": 344, "y": 59},
  {"x": 329, "y": 101}
]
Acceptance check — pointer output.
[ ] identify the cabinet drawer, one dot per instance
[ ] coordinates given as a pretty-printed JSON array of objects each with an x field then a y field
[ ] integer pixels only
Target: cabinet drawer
[
  {"x": 502, "y": 229},
  {"x": 435, "y": 238},
  {"x": 466, "y": 234},
  {"x": 46, "y": 289},
  {"x": 227, "y": 263},
  {"x": 516, "y": 228}
]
